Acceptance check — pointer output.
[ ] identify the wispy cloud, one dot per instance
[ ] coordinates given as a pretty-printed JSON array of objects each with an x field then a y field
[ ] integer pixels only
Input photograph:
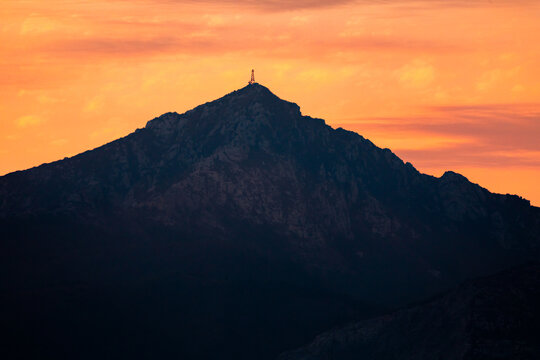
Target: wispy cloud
[
  {"x": 274, "y": 5},
  {"x": 287, "y": 5},
  {"x": 29, "y": 120},
  {"x": 468, "y": 135}
]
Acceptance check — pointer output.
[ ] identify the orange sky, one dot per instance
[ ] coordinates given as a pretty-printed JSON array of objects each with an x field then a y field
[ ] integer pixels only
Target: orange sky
[{"x": 447, "y": 85}]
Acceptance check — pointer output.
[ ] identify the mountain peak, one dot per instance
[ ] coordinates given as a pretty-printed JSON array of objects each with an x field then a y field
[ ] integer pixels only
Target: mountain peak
[
  {"x": 248, "y": 102},
  {"x": 241, "y": 216},
  {"x": 255, "y": 88},
  {"x": 251, "y": 93}
]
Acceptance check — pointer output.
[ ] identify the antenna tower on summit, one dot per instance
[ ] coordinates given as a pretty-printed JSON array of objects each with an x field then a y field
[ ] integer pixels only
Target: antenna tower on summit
[{"x": 252, "y": 81}]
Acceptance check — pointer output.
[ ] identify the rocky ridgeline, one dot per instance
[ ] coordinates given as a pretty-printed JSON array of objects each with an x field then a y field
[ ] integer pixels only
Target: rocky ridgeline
[{"x": 268, "y": 218}]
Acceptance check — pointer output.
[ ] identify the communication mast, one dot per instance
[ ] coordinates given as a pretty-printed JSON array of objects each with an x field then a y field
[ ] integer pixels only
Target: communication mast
[{"x": 252, "y": 81}]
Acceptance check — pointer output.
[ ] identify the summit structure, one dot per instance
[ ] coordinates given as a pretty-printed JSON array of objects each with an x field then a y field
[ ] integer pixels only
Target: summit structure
[{"x": 252, "y": 81}]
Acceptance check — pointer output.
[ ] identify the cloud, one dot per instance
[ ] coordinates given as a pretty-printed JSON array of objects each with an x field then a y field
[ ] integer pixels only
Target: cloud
[
  {"x": 37, "y": 24},
  {"x": 237, "y": 40},
  {"x": 28, "y": 120},
  {"x": 45, "y": 99},
  {"x": 469, "y": 156},
  {"x": 288, "y": 5},
  {"x": 59, "y": 142},
  {"x": 475, "y": 135},
  {"x": 95, "y": 104},
  {"x": 417, "y": 74},
  {"x": 273, "y": 5},
  {"x": 394, "y": 42},
  {"x": 126, "y": 46}
]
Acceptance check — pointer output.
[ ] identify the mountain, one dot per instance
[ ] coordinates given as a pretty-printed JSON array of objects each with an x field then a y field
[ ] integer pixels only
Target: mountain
[
  {"x": 486, "y": 319},
  {"x": 238, "y": 229}
]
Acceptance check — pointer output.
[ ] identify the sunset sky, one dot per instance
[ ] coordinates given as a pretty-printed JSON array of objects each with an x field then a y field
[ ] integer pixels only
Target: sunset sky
[{"x": 447, "y": 85}]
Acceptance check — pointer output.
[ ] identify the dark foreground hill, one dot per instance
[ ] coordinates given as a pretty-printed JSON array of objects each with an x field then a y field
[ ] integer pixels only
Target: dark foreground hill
[
  {"x": 236, "y": 230},
  {"x": 490, "y": 318}
]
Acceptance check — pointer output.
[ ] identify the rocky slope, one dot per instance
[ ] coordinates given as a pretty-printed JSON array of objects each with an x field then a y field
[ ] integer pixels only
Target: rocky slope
[
  {"x": 490, "y": 318},
  {"x": 240, "y": 228}
]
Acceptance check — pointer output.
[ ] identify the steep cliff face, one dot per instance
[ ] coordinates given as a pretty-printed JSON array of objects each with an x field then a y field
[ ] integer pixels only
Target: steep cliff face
[
  {"x": 490, "y": 318},
  {"x": 254, "y": 218}
]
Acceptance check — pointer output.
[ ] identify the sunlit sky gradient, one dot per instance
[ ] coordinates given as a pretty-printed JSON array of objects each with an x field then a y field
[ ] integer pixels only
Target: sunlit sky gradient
[{"x": 447, "y": 85}]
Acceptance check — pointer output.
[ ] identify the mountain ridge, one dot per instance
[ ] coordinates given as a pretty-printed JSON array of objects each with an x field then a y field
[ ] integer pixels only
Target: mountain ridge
[
  {"x": 491, "y": 317},
  {"x": 260, "y": 223},
  {"x": 170, "y": 118}
]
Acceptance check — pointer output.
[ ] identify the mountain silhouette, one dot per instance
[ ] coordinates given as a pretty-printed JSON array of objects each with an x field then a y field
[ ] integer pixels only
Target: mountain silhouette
[
  {"x": 496, "y": 317},
  {"x": 238, "y": 229}
]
